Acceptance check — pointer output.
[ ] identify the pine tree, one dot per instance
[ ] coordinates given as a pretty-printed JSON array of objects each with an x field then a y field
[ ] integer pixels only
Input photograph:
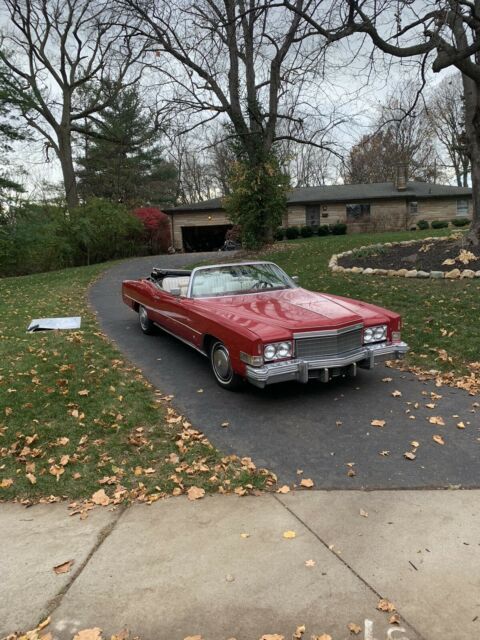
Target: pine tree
[{"x": 122, "y": 159}]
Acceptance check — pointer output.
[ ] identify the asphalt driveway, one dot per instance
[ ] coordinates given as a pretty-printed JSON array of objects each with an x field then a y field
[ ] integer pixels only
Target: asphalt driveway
[{"x": 318, "y": 431}]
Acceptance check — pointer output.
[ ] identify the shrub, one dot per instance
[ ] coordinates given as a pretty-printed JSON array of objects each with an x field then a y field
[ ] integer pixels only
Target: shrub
[
  {"x": 338, "y": 229},
  {"x": 292, "y": 233},
  {"x": 423, "y": 224},
  {"x": 306, "y": 232},
  {"x": 279, "y": 234},
  {"x": 323, "y": 230},
  {"x": 460, "y": 222},
  {"x": 439, "y": 224},
  {"x": 157, "y": 230}
]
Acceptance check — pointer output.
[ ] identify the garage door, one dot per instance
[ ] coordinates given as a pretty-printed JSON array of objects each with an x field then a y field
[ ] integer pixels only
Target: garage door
[{"x": 209, "y": 238}]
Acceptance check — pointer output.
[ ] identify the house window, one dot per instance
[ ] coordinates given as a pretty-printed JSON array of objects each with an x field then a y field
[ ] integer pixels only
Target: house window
[
  {"x": 413, "y": 208},
  {"x": 462, "y": 208},
  {"x": 312, "y": 215},
  {"x": 358, "y": 212}
]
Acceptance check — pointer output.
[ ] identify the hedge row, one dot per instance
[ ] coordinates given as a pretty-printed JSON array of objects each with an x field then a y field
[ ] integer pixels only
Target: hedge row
[
  {"x": 442, "y": 224},
  {"x": 291, "y": 233}
]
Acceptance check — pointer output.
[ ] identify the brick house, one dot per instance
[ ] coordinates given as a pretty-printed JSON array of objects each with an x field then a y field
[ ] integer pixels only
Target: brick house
[{"x": 382, "y": 206}]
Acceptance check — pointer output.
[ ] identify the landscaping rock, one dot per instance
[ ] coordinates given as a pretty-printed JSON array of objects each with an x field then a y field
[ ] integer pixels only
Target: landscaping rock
[
  {"x": 453, "y": 274},
  {"x": 356, "y": 270},
  {"x": 423, "y": 274},
  {"x": 436, "y": 274},
  {"x": 368, "y": 271},
  {"x": 411, "y": 274},
  {"x": 477, "y": 274},
  {"x": 468, "y": 273},
  {"x": 402, "y": 273}
]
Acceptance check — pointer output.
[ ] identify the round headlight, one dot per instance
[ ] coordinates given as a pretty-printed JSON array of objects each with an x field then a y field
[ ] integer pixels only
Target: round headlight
[
  {"x": 379, "y": 333},
  {"x": 283, "y": 350},
  {"x": 269, "y": 352},
  {"x": 368, "y": 335}
]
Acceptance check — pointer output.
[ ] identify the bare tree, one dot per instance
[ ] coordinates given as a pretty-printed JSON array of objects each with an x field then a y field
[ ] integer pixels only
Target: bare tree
[
  {"x": 234, "y": 58},
  {"x": 446, "y": 113},
  {"x": 441, "y": 34},
  {"x": 400, "y": 135},
  {"x": 52, "y": 50}
]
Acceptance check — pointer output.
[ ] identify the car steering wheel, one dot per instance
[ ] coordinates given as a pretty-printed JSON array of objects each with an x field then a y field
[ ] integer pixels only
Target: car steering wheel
[{"x": 262, "y": 284}]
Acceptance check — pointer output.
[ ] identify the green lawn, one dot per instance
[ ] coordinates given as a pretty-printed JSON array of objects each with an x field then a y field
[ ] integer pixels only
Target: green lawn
[
  {"x": 75, "y": 417},
  {"x": 437, "y": 314}
]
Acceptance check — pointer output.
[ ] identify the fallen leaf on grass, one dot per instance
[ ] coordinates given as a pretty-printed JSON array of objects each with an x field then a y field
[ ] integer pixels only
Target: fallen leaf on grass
[
  {"x": 289, "y": 534},
  {"x": 101, "y": 498},
  {"x": 307, "y": 482},
  {"x": 64, "y": 567},
  {"x": 195, "y": 493},
  {"x": 386, "y": 605},
  {"x": 378, "y": 423},
  {"x": 5, "y": 483},
  {"x": 56, "y": 470},
  {"x": 354, "y": 628},
  {"x": 438, "y": 439},
  {"x": 437, "y": 420},
  {"x": 32, "y": 479},
  {"x": 89, "y": 634},
  {"x": 83, "y": 392},
  {"x": 284, "y": 489}
]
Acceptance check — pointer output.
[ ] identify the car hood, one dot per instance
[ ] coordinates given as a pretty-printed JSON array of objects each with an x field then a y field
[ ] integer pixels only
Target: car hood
[{"x": 276, "y": 314}]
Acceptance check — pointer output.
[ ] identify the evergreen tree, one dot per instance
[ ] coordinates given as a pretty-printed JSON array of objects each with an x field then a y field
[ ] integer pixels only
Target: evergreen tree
[
  {"x": 122, "y": 159},
  {"x": 10, "y": 132}
]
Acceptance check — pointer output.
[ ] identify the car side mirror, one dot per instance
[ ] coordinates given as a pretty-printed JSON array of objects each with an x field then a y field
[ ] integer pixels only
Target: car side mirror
[
  {"x": 177, "y": 292},
  {"x": 295, "y": 279}
]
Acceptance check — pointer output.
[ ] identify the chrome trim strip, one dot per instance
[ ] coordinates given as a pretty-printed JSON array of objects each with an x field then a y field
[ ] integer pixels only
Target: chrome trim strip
[{"x": 327, "y": 332}]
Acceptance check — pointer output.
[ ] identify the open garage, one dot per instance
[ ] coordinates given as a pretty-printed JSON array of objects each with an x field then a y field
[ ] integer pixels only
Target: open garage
[{"x": 205, "y": 238}]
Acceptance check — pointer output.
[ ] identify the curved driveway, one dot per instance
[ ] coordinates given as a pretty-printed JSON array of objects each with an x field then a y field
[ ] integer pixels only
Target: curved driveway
[{"x": 317, "y": 428}]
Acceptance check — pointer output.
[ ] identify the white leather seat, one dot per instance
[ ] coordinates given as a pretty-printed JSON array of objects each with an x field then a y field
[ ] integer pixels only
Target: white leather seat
[{"x": 176, "y": 283}]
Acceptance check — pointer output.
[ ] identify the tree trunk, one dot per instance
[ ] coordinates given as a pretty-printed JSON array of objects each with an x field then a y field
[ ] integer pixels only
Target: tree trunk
[
  {"x": 472, "y": 127},
  {"x": 68, "y": 170}
]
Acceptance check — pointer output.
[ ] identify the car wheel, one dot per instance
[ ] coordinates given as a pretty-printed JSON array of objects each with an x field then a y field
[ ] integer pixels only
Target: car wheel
[
  {"x": 146, "y": 325},
  {"x": 222, "y": 367}
]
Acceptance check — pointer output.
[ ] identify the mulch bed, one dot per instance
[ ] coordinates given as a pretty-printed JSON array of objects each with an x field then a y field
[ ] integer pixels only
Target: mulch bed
[{"x": 423, "y": 256}]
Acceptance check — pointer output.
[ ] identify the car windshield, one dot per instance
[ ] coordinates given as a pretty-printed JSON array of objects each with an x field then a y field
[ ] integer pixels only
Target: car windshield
[{"x": 239, "y": 279}]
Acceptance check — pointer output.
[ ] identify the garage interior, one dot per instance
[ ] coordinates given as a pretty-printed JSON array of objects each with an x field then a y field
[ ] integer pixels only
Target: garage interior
[{"x": 206, "y": 238}]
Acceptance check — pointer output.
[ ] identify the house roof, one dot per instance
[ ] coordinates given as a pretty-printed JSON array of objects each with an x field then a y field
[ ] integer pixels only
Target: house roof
[{"x": 348, "y": 193}]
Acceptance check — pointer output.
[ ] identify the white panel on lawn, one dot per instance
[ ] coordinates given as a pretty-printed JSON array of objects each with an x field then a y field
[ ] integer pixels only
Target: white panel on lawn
[{"x": 46, "y": 324}]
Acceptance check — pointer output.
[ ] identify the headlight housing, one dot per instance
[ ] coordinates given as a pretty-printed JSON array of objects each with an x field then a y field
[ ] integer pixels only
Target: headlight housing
[
  {"x": 277, "y": 350},
  {"x": 375, "y": 334}
]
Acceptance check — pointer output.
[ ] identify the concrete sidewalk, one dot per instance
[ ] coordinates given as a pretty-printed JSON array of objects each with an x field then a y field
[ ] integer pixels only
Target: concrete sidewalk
[{"x": 180, "y": 568}]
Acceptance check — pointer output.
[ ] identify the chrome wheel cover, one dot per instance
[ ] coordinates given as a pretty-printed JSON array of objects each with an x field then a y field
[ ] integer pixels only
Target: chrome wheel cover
[
  {"x": 221, "y": 363},
  {"x": 143, "y": 317}
]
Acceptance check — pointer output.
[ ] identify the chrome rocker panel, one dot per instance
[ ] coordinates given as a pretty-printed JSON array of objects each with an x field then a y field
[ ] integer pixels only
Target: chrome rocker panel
[{"x": 302, "y": 370}]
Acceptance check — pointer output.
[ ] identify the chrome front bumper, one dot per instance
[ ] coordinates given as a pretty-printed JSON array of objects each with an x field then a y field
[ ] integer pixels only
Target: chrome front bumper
[{"x": 325, "y": 369}]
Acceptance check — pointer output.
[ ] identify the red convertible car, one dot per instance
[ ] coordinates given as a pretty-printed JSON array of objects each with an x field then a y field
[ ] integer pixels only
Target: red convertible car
[{"x": 255, "y": 323}]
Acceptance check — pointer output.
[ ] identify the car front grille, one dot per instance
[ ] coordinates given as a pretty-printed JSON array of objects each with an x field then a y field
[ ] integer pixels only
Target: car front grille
[{"x": 329, "y": 344}]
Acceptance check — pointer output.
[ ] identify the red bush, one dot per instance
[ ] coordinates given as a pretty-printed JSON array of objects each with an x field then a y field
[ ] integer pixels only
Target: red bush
[{"x": 157, "y": 226}]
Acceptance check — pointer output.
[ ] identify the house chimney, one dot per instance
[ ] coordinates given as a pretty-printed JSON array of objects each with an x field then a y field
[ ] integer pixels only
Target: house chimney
[{"x": 401, "y": 177}]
